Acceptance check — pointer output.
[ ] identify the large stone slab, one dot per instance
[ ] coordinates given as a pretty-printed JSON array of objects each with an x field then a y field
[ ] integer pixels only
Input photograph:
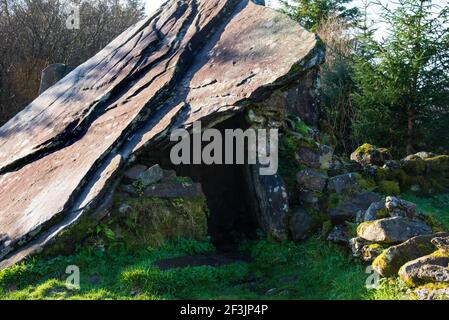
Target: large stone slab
[{"x": 192, "y": 60}]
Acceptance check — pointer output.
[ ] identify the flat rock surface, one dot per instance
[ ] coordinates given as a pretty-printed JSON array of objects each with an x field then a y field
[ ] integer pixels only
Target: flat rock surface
[{"x": 191, "y": 60}]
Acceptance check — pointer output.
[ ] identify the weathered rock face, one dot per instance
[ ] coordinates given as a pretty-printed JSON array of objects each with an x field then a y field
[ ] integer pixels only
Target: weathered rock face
[
  {"x": 412, "y": 273},
  {"x": 192, "y": 60}
]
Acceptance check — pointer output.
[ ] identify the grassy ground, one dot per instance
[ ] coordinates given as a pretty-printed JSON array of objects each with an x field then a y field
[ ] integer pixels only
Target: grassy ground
[
  {"x": 311, "y": 270},
  {"x": 314, "y": 269}
]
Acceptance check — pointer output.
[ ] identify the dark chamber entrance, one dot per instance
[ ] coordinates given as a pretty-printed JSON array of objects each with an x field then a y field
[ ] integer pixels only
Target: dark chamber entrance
[
  {"x": 229, "y": 194},
  {"x": 229, "y": 197}
]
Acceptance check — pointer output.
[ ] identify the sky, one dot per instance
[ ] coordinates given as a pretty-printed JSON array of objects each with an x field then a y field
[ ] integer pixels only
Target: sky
[{"x": 152, "y": 5}]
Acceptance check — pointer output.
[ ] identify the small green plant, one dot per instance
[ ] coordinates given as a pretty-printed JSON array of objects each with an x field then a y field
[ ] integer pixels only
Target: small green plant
[{"x": 139, "y": 187}]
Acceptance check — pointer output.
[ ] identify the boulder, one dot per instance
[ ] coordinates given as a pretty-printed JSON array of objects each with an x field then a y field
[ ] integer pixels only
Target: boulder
[
  {"x": 339, "y": 235},
  {"x": 350, "y": 209},
  {"x": 145, "y": 175},
  {"x": 400, "y": 208},
  {"x": 311, "y": 180},
  {"x": 317, "y": 158},
  {"x": 372, "y": 213},
  {"x": 393, "y": 258},
  {"x": 392, "y": 230},
  {"x": 301, "y": 224},
  {"x": 410, "y": 272},
  {"x": 152, "y": 175},
  {"x": 189, "y": 61},
  {"x": 368, "y": 154},
  {"x": 343, "y": 184},
  {"x": 135, "y": 172}
]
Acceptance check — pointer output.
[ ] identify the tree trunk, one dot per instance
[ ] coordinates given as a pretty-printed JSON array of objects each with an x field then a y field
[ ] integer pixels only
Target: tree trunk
[{"x": 410, "y": 131}]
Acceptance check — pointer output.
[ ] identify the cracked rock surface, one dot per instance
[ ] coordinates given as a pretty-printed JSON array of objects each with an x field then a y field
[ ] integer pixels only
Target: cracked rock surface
[{"x": 192, "y": 60}]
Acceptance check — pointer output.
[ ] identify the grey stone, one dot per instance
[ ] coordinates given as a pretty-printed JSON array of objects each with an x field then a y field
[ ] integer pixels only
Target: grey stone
[
  {"x": 433, "y": 274},
  {"x": 400, "y": 208},
  {"x": 151, "y": 175},
  {"x": 392, "y": 230},
  {"x": 371, "y": 213},
  {"x": 350, "y": 209},
  {"x": 301, "y": 224},
  {"x": 174, "y": 190},
  {"x": 338, "y": 235},
  {"x": 311, "y": 180},
  {"x": 394, "y": 257},
  {"x": 345, "y": 183},
  {"x": 410, "y": 272},
  {"x": 135, "y": 172}
]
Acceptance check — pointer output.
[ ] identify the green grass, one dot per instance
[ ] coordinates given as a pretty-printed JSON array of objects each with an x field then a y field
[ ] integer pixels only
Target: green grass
[
  {"x": 311, "y": 270},
  {"x": 437, "y": 207}
]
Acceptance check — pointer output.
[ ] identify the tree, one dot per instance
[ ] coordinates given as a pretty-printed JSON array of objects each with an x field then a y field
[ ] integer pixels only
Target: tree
[
  {"x": 402, "y": 97},
  {"x": 33, "y": 35},
  {"x": 312, "y": 13}
]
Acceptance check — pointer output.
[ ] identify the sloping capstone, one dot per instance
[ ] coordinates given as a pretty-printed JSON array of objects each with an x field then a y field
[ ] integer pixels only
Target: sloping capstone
[{"x": 192, "y": 60}]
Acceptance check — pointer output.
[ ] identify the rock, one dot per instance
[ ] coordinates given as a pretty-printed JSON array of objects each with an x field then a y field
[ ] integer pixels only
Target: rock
[
  {"x": 433, "y": 274},
  {"x": 441, "y": 242},
  {"x": 135, "y": 172},
  {"x": 316, "y": 158},
  {"x": 188, "y": 62},
  {"x": 392, "y": 230},
  {"x": 372, "y": 213},
  {"x": 52, "y": 74},
  {"x": 422, "y": 155},
  {"x": 124, "y": 208},
  {"x": 400, "y": 208},
  {"x": 272, "y": 204},
  {"x": 350, "y": 209},
  {"x": 357, "y": 244},
  {"x": 391, "y": 165},
  {"x": 152, "y": 175},
  {"x": 370, "y": 155},
  {"x": 326, "y": 155},
  {"x": 311, "y": 180},
  {"x": 371, "y": 252},
  {"x": 301, "y": 224},
  {"x": 338, "y": 235},
  {"x": 414, "y": 166},
  {"x": 409, "y": 272},
  {"x": 173, "y": 190},
  {"x": 145, "y": 175},
  {"x": 343, "y": 184},
  {"x": 309, "y": 198},
  {"x": 424, "y": 293},
  {"x": 393, "y": 258}
]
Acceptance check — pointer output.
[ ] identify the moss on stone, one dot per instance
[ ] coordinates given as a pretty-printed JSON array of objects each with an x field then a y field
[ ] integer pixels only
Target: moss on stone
[
  {"x": 438, "y": 165},
  {"x": 414, "y": 166},
  {"x": 154, "y": 221},
  {"x": 365, "y": 148},
  {"x": 389, "y": 187}
]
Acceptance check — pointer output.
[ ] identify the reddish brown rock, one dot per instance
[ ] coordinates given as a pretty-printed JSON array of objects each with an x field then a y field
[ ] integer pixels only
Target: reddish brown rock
[{"x": 192, "y": 60}]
